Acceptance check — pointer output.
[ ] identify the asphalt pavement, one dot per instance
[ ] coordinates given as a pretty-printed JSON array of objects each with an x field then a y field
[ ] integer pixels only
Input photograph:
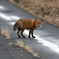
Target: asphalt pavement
[{"x": 46, "y": 43}]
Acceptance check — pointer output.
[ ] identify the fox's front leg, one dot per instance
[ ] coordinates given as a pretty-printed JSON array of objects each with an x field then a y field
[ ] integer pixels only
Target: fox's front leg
[{"x": 31, "y": 32}]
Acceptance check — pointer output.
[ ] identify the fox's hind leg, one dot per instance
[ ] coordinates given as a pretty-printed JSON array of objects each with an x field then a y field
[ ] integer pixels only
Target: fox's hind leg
[
  {"x": 18, "y": 33},
  {"x": 22, "y": 33}
]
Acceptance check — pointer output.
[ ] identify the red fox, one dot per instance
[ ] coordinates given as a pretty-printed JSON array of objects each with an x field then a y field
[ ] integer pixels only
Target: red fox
[{"x": 30, "y": 24}]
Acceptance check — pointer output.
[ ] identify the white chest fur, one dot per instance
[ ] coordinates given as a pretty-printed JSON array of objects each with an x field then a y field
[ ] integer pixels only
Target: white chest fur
[{"x": 37, "y": 26}]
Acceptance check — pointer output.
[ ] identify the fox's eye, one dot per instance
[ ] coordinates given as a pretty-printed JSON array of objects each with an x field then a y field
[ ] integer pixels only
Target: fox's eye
[{"x": 37, "y": 23}]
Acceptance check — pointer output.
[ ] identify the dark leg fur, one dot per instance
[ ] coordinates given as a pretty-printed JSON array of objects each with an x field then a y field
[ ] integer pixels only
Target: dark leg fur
[
  {"x": 22, "y": 33},
  {"x": 18, "y": 33},
  {"x": 31, "y": 32}
]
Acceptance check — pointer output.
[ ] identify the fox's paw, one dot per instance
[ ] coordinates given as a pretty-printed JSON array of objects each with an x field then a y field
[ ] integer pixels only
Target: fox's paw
[
  {"x": 29, "y": 36},
  {"x": 23, "y": 36},
  {"x": 33, "y": 36},
  {"x": 19, "y": 36}
]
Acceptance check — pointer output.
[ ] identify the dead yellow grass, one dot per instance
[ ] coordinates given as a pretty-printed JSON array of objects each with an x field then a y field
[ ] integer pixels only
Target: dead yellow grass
[
  {"x": 5, "y": 32},
  {"x": 20, "y": 44},
  {"x": 41, "y": 9}
]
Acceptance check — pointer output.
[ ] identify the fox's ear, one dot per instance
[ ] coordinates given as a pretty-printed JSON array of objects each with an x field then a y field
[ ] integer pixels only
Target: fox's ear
[{"x": 41, "y": 20}]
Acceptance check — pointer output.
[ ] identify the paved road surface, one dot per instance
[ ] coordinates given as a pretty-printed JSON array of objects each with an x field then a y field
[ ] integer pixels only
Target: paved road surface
[{"x": 46, "y": 43}]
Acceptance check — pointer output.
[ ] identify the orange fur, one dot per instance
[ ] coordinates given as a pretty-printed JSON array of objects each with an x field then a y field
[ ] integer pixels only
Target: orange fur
[{"x": 23, "y": 24}]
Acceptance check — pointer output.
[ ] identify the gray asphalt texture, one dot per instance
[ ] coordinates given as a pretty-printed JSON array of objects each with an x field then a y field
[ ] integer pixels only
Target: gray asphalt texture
[{"x": 46, "y": 44}]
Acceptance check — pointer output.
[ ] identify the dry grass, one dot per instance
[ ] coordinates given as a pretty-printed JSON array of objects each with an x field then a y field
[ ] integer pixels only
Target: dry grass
[
  {"x": 41, "y": 9},
  {"x": 5, "y": 32},
  {"x": 21, "y": 44}
]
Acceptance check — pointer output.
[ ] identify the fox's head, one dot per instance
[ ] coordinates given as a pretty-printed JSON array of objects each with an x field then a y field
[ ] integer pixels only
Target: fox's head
[{"x": 38, "y": 23}]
